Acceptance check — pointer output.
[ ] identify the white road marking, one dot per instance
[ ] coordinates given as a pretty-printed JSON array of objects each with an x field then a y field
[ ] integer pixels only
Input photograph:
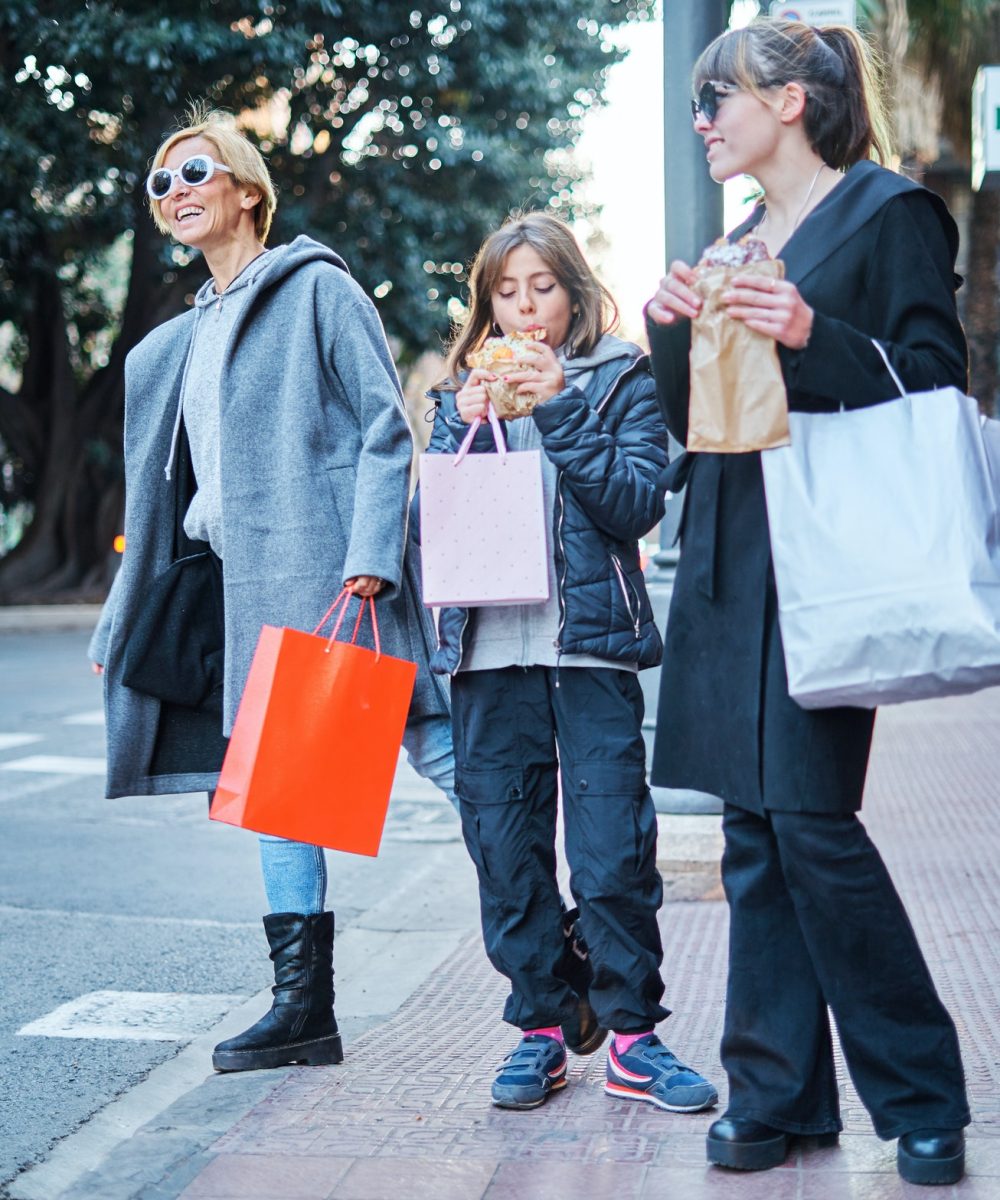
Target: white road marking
[
  {"x": 9, "y": 740},
  {"x": 13, "y": 792},
  {"x": 134, "y": 1016},
  {"x": 23, "y": 913},
  {"x": 94, "y": 716},
  {"x": 98, "y": 1138},
  {"x": 56, "y": 764}
]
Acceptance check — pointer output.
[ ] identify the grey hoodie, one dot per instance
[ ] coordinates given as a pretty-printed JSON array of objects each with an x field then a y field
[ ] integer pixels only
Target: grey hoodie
[{"x": 215, "y": 316}]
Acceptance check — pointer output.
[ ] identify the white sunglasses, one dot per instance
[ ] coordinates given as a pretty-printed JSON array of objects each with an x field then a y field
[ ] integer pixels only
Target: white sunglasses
[{"x": 194, "y": 171}]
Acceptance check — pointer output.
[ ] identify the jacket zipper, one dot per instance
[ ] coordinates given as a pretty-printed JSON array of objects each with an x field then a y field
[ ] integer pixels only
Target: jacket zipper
[
  {"x": 561, "y": 583},
  {"x": 602, "y": 404},
  {"x": 461, "y": 638},
  {"x": 623, "y": 584}
]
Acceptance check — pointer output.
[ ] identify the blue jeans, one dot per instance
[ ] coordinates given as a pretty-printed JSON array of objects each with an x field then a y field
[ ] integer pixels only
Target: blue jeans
[{"x": 295, "y": 872}]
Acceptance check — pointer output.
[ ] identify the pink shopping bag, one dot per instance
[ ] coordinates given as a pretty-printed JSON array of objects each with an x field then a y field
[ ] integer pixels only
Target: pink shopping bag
[{"x": 482, "y": 522}]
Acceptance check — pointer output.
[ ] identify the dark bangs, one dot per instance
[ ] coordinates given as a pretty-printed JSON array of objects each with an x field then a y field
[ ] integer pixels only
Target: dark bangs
[{"x": 726, "y": 60}]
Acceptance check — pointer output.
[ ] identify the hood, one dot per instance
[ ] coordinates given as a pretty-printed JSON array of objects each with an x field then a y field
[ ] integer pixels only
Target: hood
[
  {"x": 608, "y": 349},
  {"x": 266, "y": 270},
  {"x": 272, "y": 266}
]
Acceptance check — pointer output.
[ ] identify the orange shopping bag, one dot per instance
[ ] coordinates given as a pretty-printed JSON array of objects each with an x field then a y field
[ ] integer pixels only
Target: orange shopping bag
[{"x": 314, "y": 748}]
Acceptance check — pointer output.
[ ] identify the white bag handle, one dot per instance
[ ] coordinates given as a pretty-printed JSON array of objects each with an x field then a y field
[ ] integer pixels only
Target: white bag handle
[{"x": 889, "y": 367}]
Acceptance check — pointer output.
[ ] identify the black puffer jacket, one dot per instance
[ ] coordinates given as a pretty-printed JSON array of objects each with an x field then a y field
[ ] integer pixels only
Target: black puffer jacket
[{"x": 609, "y": 445}]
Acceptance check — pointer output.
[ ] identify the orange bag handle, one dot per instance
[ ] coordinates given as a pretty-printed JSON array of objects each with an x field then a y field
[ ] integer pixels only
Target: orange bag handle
[{"x": 345, "y": 599}]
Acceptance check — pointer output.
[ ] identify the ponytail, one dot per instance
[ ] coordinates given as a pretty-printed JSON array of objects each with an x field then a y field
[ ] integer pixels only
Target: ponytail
[{"x": 860, "y": 129}]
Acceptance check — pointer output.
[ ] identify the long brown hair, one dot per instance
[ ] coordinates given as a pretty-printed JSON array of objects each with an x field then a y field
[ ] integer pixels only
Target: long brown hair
[
  {"x": 845, "y": 118},
  {"x": 594, "y": 311}
]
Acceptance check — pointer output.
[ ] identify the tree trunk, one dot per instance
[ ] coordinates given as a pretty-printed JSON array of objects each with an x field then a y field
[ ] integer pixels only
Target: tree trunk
[
  {"x": 76, "y": 441},
  {"x": 48, "y": 445}
]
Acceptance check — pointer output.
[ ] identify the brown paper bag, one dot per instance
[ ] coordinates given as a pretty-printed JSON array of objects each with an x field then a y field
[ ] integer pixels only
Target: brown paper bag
[{"x": 738, "y": 398}]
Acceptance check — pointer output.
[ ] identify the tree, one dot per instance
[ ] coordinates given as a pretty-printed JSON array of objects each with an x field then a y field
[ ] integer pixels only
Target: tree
[
  {"x": 399, "y": 132},
  {"x": 940, "y": 44}
]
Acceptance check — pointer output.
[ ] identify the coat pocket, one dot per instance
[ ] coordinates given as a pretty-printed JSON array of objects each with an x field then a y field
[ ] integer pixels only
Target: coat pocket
[
  {"x": 614, "y": 822},
  {"x": 491, "y": 804}
]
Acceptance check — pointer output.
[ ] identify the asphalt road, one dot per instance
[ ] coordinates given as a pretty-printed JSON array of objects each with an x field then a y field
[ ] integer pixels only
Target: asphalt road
[{"x": 139, "y": 895}]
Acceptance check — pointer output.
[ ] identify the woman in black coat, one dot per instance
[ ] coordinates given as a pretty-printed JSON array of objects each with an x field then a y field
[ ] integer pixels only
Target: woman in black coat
[{"x": 815, "y": 922}]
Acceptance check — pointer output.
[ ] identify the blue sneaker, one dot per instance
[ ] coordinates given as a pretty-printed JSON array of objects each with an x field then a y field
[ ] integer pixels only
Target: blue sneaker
[
  {"x": 649, "y": 1071},
  {"x": 533, "y": 1069}
]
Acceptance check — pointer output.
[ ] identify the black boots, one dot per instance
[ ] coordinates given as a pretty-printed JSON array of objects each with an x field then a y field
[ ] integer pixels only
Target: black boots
[
  {"x": 301, "y": 1027},
  {"x": 927, "y": 1156},
  {"x": 931, "y": 1156},
  {"x": 582, "y": 1032},
  {"x": 743, "y": 1144}
]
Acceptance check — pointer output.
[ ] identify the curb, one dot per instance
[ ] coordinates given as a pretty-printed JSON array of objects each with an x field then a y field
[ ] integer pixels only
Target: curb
[
  {"x": 48, "y": 618},
  {"x": 689, "y": 855}
]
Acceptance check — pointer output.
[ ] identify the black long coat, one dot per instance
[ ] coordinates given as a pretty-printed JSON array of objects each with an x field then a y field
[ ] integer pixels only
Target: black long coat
[{"x": 875, "y": 258}]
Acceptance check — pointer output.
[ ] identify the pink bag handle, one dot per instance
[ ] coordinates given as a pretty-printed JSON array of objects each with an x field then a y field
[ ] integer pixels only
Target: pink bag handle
[
  {"x": 345, "y": 599},
  {"x": 463, "y": 450}
]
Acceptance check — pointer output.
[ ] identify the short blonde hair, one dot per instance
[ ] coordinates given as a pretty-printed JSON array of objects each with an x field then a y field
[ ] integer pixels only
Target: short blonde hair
[{"x": 234, "y": 151}]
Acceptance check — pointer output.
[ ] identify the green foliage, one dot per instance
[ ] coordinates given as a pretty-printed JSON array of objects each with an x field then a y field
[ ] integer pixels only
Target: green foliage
[{"x": 411, "y": 129}]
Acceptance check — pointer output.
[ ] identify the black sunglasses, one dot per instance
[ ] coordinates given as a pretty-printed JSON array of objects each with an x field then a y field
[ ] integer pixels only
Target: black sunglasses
[
  {"x": 711, "y": 95},
  {"x": 709, "y": 99}
]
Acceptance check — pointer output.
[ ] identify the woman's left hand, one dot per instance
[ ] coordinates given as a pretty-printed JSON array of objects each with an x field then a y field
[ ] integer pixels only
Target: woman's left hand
[
  {"x": 772, "y": 307},
  {"x": 364, "y": 585},
  {"x": 543, "y": 379}
]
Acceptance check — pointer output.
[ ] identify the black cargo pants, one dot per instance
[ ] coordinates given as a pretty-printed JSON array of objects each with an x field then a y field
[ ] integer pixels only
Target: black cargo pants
[{"x": 514, "y": 730}]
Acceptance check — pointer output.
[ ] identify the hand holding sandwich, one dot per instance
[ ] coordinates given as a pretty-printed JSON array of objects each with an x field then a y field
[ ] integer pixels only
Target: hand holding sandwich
[
  {"x": 472, "y": 399},
  {"x": 515, "y": 372},
  {"x": 773, "y": 307},
  {"x": 541, "y": 377}
]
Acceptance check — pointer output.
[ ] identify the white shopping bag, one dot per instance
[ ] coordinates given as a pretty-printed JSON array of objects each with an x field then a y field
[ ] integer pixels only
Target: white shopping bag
[
  {"x": 482, "y": 525},
  {"x": 885, "y": 538}
]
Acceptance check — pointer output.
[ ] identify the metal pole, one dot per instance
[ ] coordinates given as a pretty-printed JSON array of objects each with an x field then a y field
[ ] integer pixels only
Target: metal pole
[
  {"x": 693, "y": 219},
  {"x": 692, "y": 202}
]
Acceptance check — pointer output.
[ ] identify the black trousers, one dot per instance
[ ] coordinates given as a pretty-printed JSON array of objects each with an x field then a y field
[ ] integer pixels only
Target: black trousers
[
  {"x": 515, "y": 729},
  {"x": 816, "y": 924}
]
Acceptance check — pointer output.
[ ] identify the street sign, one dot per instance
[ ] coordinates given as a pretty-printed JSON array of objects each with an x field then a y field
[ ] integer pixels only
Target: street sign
[
  {"x": 817, "y": 12},
  {"x": 986, "y": 129}
]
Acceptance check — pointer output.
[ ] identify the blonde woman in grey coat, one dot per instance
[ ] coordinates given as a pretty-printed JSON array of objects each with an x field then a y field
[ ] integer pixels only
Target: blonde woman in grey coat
[{"x": 265, "y": 429}]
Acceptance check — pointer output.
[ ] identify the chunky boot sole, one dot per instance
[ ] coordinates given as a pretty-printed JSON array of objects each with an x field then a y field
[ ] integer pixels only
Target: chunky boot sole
[
  {"x": 749, "y": 1156},
  {"x": 584, "y": 1019},
  {"x": 594, "y": 1042},
  {"x": 762, "y": 1156},
  {"x": 315, "y": 1053},
  {"x": 930, "y": 1171}
]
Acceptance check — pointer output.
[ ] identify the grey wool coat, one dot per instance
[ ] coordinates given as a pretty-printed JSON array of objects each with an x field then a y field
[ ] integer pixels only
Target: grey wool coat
[{"x": 315, "y": 464}]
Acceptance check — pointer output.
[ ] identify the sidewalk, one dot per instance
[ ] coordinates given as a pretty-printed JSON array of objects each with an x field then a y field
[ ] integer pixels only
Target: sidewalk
[{"x": 408, "y": 1116}]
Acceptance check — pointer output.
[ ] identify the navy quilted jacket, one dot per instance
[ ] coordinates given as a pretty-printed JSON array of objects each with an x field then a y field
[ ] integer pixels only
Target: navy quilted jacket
[{"x": 609, "y": 445}]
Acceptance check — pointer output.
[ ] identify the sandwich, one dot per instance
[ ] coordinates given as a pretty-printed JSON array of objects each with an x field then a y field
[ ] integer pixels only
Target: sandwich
[{"x": 502, "y": 354}]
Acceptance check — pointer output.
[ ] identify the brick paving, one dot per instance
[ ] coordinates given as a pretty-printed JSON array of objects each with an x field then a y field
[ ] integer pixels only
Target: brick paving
[{"x": 408, "y": 1115}]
